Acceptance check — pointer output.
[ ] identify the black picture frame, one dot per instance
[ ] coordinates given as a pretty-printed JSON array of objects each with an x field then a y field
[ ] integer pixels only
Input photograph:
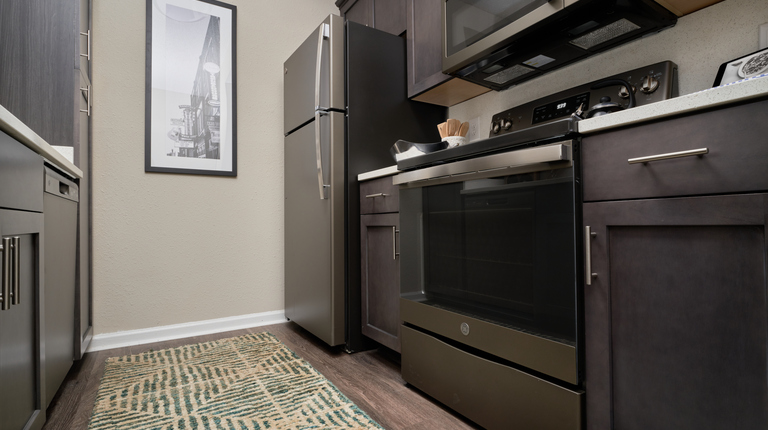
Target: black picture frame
[
  {"x": 732, "y": 71},
  {"x": 191, "y": 97}
]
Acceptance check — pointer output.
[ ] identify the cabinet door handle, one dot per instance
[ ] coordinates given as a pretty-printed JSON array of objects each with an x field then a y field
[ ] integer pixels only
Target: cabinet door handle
[
  {"x": 5, "y": 282},
  {"x": 88, "y": 52},
  {"x": 588, "y": 235},
  {"x": 395, "y": 231},
  {"x": 16, "y": 268},
  {"x": 87, "y": 100},
  {"x": 668, "y": 156},
  {"x": 371, "y": 196}
]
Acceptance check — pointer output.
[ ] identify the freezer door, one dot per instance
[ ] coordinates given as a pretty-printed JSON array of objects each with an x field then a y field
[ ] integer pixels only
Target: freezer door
[
  {"x": 314, "y": 75},
  {"x": 314, "y": 228}
]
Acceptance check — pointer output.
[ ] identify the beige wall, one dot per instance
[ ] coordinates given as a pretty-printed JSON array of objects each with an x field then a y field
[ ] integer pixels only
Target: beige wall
[
  {"x": 699, "y": 43},
  {"x": 169, "y": 248}
]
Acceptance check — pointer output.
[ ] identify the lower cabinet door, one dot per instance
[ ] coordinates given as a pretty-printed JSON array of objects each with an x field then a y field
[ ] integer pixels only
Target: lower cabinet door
[
  {"x": 676, "y": 320},
  {"x": 20, "y": 400},
  {"x": 380, "y": 278}
]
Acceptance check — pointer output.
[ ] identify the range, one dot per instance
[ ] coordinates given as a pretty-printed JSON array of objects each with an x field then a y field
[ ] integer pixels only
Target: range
[{"x": 491, "y": 259}]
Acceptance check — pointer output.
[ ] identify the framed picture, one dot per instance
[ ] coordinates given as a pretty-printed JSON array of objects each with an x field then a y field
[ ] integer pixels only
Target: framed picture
[
  {"x": 190, "y": 119},
  {"x": 749, "y": 66}
]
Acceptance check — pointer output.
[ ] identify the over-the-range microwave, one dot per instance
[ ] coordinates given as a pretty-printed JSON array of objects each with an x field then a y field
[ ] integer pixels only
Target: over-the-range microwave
[{"x": 499, "y": 43}]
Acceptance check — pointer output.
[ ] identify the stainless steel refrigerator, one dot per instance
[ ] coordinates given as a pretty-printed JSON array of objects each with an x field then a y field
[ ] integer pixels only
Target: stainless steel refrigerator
[{"x": 345, "y": 105}]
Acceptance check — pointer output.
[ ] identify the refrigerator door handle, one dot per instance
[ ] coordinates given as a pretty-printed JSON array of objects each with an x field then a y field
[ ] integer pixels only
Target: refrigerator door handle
[
  {"x": 318, "y": 150},
  {"x": 325, "y": 32}
]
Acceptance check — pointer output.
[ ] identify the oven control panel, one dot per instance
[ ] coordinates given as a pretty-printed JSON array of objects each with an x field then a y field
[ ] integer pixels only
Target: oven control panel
[{"x": 648, "y": 84}]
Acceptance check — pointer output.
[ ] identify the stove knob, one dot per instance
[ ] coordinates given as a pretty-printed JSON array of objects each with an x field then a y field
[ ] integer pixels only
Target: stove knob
[
  {"x": 506, "y": 124},
  {"x": 495, "y": 127},
  {"x": 650, "y": 84},
  {"x": 623, "y": 93}
]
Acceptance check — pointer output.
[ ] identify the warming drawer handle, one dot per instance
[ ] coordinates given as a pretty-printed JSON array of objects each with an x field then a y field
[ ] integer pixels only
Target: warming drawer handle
[
  {"x": 5, "y": 280},
  {"x": 668, "y": 156},
  {"x": 588, "y": 235},
  {"x": 16, "y": 268}
]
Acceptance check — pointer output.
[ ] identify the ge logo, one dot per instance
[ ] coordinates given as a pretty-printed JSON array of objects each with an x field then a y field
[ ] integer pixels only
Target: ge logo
[{"x": 465, "y": 329}]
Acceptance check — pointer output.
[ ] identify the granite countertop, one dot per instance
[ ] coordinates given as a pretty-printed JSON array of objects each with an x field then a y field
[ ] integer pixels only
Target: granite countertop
[
  {"x": 720, "y": 96},
  {"x": 12, "y": 126}
]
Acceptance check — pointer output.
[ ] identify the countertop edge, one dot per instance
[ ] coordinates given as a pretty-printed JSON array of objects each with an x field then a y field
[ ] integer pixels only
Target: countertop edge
[
  {"x": 373, "y": 174},
  {"x": 18, "y": 130},
  {"x": 713, "y": 97}
]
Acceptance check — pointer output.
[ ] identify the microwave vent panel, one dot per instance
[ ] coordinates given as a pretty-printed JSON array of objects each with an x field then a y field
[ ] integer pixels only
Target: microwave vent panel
[
  {"x": 604, "y": 34},
  {"x": 508, "y": 74}
]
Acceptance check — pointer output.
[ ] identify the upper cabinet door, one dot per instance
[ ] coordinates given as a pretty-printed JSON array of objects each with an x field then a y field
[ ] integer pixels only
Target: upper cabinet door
[
  {"x": 384, "y": 15},
  {"x": 313, "y": 76}
]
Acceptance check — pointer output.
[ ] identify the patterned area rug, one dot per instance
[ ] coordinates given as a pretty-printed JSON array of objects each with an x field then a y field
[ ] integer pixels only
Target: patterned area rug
[{"x": 247, "y": 382}]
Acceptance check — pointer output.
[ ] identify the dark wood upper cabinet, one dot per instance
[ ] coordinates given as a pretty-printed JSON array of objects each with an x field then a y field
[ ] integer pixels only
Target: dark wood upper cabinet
[
  {"x": 426, "y": 81},
  {"x": 420, "y": 21},
  {"x": 384, "y": 15}
]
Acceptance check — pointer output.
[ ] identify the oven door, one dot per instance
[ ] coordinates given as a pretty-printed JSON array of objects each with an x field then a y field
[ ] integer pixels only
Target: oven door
[
  {"x": 488, "y": 255},
  {"x": 474, "y": 28}
]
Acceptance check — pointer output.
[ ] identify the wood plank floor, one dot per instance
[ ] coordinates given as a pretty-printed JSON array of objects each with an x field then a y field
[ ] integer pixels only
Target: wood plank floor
[{"x": 371, "y": 379}]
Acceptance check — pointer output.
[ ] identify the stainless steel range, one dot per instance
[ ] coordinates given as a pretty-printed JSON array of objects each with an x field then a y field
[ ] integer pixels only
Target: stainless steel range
[{"x": 491, "y": 252}]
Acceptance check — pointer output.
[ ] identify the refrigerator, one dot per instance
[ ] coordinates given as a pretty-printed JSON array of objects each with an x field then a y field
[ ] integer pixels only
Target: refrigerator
[{"x": 345, "y": 105}]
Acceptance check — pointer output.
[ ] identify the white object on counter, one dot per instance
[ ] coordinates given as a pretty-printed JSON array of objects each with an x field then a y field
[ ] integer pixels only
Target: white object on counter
[
  {"x": 454, "y": 141},
  {"x": 67, "y": 151},
  {"x": 373, "y": 174},
  {"x": 19, "y": 131},
  {"x": 727, "y": 94}
]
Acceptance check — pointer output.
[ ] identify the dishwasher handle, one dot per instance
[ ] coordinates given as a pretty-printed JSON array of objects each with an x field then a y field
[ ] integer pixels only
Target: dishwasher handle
[{"x": 60, "y": 185}]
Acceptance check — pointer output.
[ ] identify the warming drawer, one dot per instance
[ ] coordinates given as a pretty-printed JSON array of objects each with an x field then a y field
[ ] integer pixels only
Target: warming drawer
[{"x": 479, "y": 388}]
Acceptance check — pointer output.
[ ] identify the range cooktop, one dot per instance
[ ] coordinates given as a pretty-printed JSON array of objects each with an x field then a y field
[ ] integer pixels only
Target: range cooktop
[{"x": 556, "y": 116}]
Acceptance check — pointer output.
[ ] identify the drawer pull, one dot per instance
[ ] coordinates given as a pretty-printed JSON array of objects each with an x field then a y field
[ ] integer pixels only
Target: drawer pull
[
  {"x": 372, "y": 196},
  {"x": 699, "y": 152},
  {"x": 588, "y": 236}
]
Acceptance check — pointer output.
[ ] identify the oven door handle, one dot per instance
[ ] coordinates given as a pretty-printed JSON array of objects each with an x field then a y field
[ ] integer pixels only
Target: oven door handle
[{"x": 530, "y": 159}]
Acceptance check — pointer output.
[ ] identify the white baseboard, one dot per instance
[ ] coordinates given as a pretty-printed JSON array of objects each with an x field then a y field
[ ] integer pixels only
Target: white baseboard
[{"x": 120, "y": 339}]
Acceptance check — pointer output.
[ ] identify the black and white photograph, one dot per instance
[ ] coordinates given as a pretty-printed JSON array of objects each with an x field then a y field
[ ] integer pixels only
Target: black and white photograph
[{"x": 190, "y": 117}]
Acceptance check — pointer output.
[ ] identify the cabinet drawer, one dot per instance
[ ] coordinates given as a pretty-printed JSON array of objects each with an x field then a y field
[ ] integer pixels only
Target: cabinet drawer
[
  {"x": 736, "y": 158},
  {"x": 379, "y": 196},
  {"x": 21, "y": 176}
]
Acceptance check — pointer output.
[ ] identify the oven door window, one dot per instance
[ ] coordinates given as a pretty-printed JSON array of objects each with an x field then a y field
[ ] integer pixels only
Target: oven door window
[
  {"x": 502, "y": 249},
  {"x": 468, "y": 21}
]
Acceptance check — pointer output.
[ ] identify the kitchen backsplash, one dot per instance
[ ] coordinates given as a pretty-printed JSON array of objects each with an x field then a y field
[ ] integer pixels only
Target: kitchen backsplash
[{"x": 699, "y": 43}]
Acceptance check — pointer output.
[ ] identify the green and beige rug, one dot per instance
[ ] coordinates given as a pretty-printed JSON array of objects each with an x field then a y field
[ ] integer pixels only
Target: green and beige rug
[{"x": 247, "y": 382}]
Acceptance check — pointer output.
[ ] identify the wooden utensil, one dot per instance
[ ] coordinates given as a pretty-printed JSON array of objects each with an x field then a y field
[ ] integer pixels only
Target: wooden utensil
[
  {"x": 453, "y": 126},
  {"x": 463, "y": 129},
  {"x": 441, "y": 129}
]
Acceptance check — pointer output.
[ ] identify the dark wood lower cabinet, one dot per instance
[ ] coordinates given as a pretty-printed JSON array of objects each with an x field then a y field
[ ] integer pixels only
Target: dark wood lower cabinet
[
  {"x": 380, "y": 273},
  {"x": 676, "y": 317}
]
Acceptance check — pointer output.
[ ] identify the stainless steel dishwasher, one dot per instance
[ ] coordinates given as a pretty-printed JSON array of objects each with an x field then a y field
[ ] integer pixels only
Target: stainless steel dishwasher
[{"x": 60, "y": 203}]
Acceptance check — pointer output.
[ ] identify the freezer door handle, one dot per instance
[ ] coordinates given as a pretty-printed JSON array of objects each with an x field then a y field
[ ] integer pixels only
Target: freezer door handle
[
  {"x": 324, "y": 33},
  {"x": 319, "y": 152}
]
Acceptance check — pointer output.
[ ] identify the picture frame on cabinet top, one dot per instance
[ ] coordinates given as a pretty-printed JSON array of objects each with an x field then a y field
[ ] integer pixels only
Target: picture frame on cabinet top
[{"x": 190, "y": 111}]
